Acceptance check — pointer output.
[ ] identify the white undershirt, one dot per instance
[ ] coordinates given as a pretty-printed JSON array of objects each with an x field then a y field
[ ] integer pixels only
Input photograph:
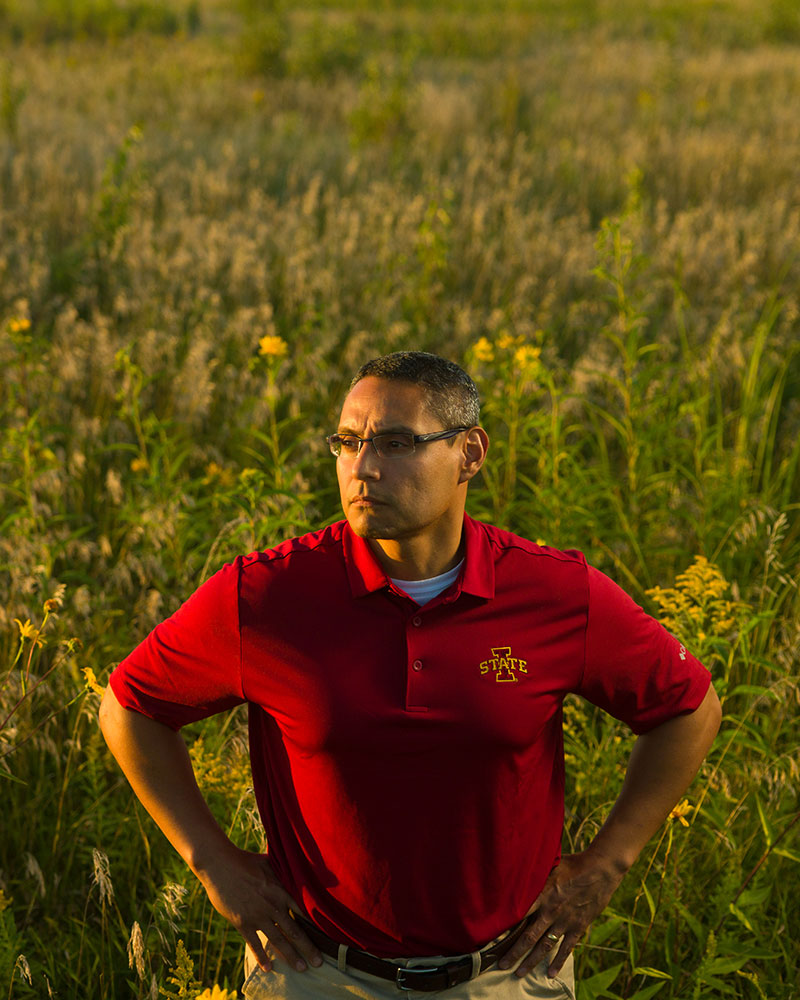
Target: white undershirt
[{"x": 423, "y": 591}]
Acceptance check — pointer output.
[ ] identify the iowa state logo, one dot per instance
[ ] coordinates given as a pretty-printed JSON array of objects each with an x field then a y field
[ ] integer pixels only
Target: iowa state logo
[{"x": 503, "y": 665}]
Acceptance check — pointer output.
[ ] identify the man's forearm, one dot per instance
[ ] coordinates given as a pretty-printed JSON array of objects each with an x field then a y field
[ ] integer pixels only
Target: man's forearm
[
  {"x": 241, "y": 886},
  {"x": 156, "y": 762},
  {"x": 661, "y": 766},
  {"x": 660, "y": 769}
]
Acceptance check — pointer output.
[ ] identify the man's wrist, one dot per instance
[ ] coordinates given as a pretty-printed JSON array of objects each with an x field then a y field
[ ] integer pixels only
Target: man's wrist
[
  {"x": 616, "y": 859},
  {"x": 205, "y": 856}
]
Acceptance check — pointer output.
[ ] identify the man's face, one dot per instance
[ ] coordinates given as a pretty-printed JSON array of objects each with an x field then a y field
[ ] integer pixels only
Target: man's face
[{"x": 396, "y": 498}]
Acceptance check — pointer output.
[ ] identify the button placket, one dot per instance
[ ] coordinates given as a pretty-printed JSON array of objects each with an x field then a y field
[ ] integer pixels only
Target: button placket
[{"x": 415, "y": 684}]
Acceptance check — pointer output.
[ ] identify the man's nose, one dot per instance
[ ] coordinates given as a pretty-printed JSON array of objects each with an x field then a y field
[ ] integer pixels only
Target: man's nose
[{"x": 366, "y": 464}]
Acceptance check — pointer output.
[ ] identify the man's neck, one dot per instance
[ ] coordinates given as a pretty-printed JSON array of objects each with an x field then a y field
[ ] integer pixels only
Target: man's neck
[{"x": 417, "y": 559}]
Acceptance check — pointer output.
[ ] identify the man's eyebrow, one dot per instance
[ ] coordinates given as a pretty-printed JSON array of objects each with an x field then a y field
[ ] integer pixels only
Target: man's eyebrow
[{"x": 401, "y": 429}]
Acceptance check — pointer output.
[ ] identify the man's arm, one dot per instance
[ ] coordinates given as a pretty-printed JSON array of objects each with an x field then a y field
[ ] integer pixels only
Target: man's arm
[
  {"x": 241, "y": 885},
  {"x": 660, "y": 769}
]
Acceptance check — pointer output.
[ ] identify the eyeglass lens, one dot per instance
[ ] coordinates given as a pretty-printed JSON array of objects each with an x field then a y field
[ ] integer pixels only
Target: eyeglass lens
[{"x": 393, "y": 445}]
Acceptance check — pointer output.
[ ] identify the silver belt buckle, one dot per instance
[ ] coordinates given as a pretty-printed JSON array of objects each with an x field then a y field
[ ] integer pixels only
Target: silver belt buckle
[{"x": 403, "y": 972}]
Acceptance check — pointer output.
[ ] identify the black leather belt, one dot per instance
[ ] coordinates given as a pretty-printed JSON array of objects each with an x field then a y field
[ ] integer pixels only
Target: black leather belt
[{"x": 426, "y": 980}]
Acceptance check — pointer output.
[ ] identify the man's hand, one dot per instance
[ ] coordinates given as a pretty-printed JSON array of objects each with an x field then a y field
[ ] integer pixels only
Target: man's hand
[
  {"x": 243, "y": 888},
  {"x": 575, "y": 893}
]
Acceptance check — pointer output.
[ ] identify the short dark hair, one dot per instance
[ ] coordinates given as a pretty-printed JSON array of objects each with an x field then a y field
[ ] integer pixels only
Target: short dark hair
[{"x": 450, "y": 392}]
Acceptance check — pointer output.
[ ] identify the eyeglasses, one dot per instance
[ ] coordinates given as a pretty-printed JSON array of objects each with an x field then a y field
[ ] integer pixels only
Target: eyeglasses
[{"x": 393, "y": 444}]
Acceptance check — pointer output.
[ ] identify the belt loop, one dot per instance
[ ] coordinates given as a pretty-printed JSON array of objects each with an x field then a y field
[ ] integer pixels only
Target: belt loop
[
  {"x": 476, "y": 964},
  {"x": 341, "y": 960}
]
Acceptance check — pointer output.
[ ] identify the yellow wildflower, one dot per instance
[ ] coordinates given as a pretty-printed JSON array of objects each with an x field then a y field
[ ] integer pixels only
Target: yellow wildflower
[
  {"x": 696, "y": 608},
  {"x": 217, "y": 994},
  {"x": 526, "y": 357},
  {"x": 91, "y": 681},
  {"x": 483, "y": 350},
  {"x": 224, "y": 476},
  {"x": 19, "y": 324},
  {"x": 229, "y": 775},
  {"x": 29, "y": 631},
  {"x": 273, "y": 347},
  {"x": 505, "y": 341},
  {"x": 680, "y": 811},
  {"x": 139, "y": 465},
  {"x": 207, "y": 765}
]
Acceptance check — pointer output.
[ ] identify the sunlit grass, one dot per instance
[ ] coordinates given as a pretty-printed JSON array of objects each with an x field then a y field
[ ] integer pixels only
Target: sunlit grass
[{"x": 208, "y": 221}]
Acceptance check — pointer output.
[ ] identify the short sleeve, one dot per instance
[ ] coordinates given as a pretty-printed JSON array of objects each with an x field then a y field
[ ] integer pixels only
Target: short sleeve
[
  {"x": 634, "y": 668},
  {"x": 189, "y": 667}
]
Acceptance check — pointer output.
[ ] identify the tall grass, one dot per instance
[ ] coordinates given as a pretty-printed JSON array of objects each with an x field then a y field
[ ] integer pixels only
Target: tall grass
[{"x": 208, "y": 224}]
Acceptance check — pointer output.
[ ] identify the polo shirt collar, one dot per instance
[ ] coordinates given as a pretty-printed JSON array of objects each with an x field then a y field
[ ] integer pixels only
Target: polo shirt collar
[
  {"x": 366, "y": 575},
  {"x": 478, "y": 576}
]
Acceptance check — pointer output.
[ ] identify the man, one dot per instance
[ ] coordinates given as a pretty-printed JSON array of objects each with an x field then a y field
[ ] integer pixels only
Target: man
[{"x": 404, "y": 671}]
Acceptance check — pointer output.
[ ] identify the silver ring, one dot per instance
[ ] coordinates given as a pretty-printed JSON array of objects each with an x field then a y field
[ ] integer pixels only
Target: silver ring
[{"x": 552, "y": 937}]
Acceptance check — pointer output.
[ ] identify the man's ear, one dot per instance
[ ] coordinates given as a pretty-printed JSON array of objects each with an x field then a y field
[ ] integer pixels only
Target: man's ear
[{"x": 476, "y": 444}]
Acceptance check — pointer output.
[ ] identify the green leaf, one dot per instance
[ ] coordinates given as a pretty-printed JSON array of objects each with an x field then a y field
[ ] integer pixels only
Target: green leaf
[
  {"x": 597, "y": 985},
  {"x": 602, "y": 930},
  {"x": 654, "y": 973},
  {"x": 741, "y": 917},
  {"x": 697, "y": 928},
  {"x": 756, "y": 895},
  {"x": 718, "y": 984},
  {"x": 723, "y": 965},
  {"x": 648, "y": 991},
  {"x": 11, "y": 777},
  {"x": 649, "y": 897},
  {"x": 766, "y": 826},
  {"x": 755, "y": 689}
]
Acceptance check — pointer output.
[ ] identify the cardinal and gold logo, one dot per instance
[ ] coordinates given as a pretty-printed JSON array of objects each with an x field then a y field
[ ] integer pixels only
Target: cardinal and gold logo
[{"x": 503, "y": 666}]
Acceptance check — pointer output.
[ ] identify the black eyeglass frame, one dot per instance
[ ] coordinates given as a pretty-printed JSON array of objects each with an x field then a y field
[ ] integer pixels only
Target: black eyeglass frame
[{"x": 334, "y": 439}]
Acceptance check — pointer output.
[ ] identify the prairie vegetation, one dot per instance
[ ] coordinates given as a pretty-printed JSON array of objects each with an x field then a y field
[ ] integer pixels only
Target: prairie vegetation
[{"x": 209, "y": 216}]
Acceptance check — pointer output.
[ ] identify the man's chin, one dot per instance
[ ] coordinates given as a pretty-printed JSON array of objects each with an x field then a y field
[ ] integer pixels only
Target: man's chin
[{"x": 370, "y": 528}]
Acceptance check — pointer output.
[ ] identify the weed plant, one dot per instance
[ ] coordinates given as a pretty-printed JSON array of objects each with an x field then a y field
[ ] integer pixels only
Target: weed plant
[{"x": 209, "y": 221}]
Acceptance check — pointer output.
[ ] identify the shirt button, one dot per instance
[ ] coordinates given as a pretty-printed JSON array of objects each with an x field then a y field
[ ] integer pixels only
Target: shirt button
[
  {"x": 416, "y": 621},
  {"x": 417, "y": 665}
]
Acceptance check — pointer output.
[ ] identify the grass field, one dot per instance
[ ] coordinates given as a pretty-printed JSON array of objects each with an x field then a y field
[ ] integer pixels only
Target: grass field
[{"x": 210, "y": 214}]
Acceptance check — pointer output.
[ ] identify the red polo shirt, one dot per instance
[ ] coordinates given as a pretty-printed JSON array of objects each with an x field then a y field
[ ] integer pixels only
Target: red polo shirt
[{"x": 407, "y": 761}]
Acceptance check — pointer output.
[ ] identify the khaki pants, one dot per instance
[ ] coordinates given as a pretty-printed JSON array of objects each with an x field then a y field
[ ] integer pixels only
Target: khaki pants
[{"x": 335, "y": 981}]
